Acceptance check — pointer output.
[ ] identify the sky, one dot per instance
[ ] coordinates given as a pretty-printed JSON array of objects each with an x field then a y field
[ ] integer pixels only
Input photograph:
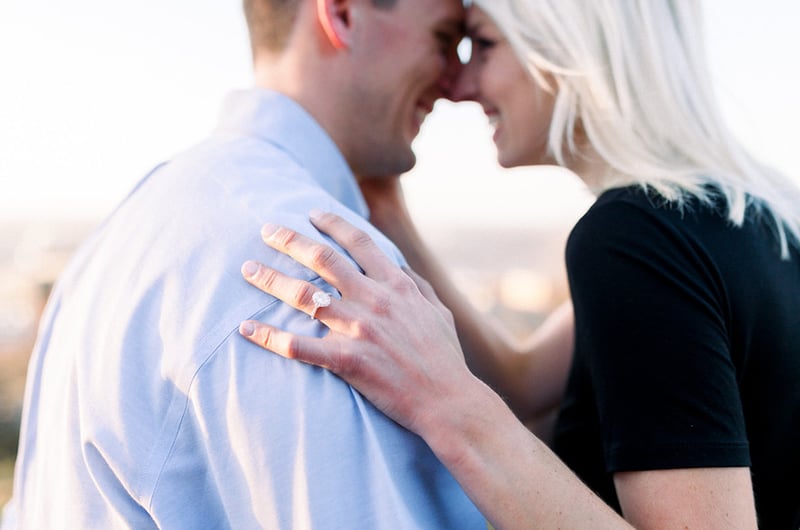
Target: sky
[{"x": 93, "y": 93}]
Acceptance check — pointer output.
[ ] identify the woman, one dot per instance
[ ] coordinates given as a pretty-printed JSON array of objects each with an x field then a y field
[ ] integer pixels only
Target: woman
[{"x": 682, "y": 398}]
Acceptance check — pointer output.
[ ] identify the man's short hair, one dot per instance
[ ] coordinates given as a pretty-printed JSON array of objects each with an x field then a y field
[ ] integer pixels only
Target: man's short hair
[{"x": 270, "y": 22}]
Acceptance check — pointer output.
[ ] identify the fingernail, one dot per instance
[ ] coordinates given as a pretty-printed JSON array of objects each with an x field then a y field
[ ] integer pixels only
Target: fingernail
[
  {"x": 315, "y": 214},
  {"x": 268, "y": 229},
  {"x": 247, "y": 329},
  {"x": 250, "y": 268}
]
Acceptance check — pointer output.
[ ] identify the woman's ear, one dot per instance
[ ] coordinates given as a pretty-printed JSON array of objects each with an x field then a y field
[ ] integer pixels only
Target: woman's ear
[{"x": 334, "y": 17}]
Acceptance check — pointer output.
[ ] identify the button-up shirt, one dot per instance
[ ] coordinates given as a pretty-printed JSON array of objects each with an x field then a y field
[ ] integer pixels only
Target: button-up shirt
[{"x": 146, "y": 409}]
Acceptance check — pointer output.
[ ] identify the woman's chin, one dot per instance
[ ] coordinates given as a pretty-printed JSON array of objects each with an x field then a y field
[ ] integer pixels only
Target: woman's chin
[{"x": 507, "y": 161}]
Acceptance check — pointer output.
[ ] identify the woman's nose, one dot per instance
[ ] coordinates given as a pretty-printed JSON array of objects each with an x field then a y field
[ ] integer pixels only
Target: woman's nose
[
  {"x": 465, "y": 84},
  {"x": 449, "y": 79}
]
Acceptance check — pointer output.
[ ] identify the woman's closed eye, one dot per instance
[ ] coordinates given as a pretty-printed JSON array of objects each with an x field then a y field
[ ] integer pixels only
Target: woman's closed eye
[{"x": 480, "y": 44}]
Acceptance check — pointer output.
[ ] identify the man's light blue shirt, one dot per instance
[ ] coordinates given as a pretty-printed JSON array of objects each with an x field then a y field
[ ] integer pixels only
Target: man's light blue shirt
[{"x": 145, "y": 409}]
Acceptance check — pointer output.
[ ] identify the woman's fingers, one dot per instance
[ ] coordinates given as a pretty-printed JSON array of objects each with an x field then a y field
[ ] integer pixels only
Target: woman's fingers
[
  {"x": 357, "y": 243},
  {"x": 310, "y": 350},
  {"x": 297, "y": 293},
  {"x": 322, "y": 259}
]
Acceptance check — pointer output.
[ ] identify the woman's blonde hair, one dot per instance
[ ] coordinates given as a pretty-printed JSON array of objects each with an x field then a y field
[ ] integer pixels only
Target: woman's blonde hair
[{"x": 632, "y": 75}]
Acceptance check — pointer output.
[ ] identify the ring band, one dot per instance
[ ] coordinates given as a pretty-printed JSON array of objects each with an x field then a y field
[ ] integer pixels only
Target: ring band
[{"x": 320, "y": 299}]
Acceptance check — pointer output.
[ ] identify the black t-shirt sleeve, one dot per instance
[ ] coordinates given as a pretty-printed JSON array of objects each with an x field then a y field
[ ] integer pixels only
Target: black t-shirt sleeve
[{"x": 651, "y": 324}]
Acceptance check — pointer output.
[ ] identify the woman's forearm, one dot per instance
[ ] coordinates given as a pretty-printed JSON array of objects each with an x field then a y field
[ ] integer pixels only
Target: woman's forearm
[{"x": 513, "y": 478}]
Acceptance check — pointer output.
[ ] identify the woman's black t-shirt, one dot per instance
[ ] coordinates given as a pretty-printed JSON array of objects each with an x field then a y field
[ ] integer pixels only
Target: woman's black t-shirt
[{"x": 687, "y": 348}]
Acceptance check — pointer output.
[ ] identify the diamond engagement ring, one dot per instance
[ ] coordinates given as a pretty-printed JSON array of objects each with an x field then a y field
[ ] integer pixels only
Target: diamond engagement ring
[{"x": 320, "y": 299}]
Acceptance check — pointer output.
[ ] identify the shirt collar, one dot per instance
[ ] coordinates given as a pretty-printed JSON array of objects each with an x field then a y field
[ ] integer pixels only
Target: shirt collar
[{"x": 278, "y": 119}]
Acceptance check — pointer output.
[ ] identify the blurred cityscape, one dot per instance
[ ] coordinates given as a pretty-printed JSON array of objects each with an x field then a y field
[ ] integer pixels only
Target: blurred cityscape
[{"x": 516, "y": 276}]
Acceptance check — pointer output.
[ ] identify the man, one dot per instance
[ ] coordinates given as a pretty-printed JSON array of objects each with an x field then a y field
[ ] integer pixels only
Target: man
[{"x": 145, "y": 408}]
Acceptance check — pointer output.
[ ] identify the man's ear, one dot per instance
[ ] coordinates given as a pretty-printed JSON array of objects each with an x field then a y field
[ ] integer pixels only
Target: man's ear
[{"x": 334, "y": 17}]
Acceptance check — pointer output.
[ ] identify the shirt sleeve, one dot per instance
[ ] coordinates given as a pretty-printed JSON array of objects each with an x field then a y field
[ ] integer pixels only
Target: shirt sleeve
[{"x": 651, "y": 322}]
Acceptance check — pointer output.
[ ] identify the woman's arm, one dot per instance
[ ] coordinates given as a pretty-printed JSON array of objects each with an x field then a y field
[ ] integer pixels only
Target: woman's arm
[
  {"x": 688, "y": 498},
  {"x": 530, "y": 375},
  {"x": 393, "y": 340},
  {"x": 513, "y": 478}
]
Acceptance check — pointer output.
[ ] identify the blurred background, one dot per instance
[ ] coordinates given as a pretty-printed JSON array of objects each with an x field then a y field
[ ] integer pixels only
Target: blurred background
[{"x": 94, "y": 93}]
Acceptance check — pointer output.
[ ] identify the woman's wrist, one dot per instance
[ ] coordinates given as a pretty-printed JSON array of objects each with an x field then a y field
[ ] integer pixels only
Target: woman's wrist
[{"x": 456, "y": 427}]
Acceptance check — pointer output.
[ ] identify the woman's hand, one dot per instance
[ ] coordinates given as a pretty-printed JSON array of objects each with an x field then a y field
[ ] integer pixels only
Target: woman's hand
[{"x": 390, "y": 336}]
